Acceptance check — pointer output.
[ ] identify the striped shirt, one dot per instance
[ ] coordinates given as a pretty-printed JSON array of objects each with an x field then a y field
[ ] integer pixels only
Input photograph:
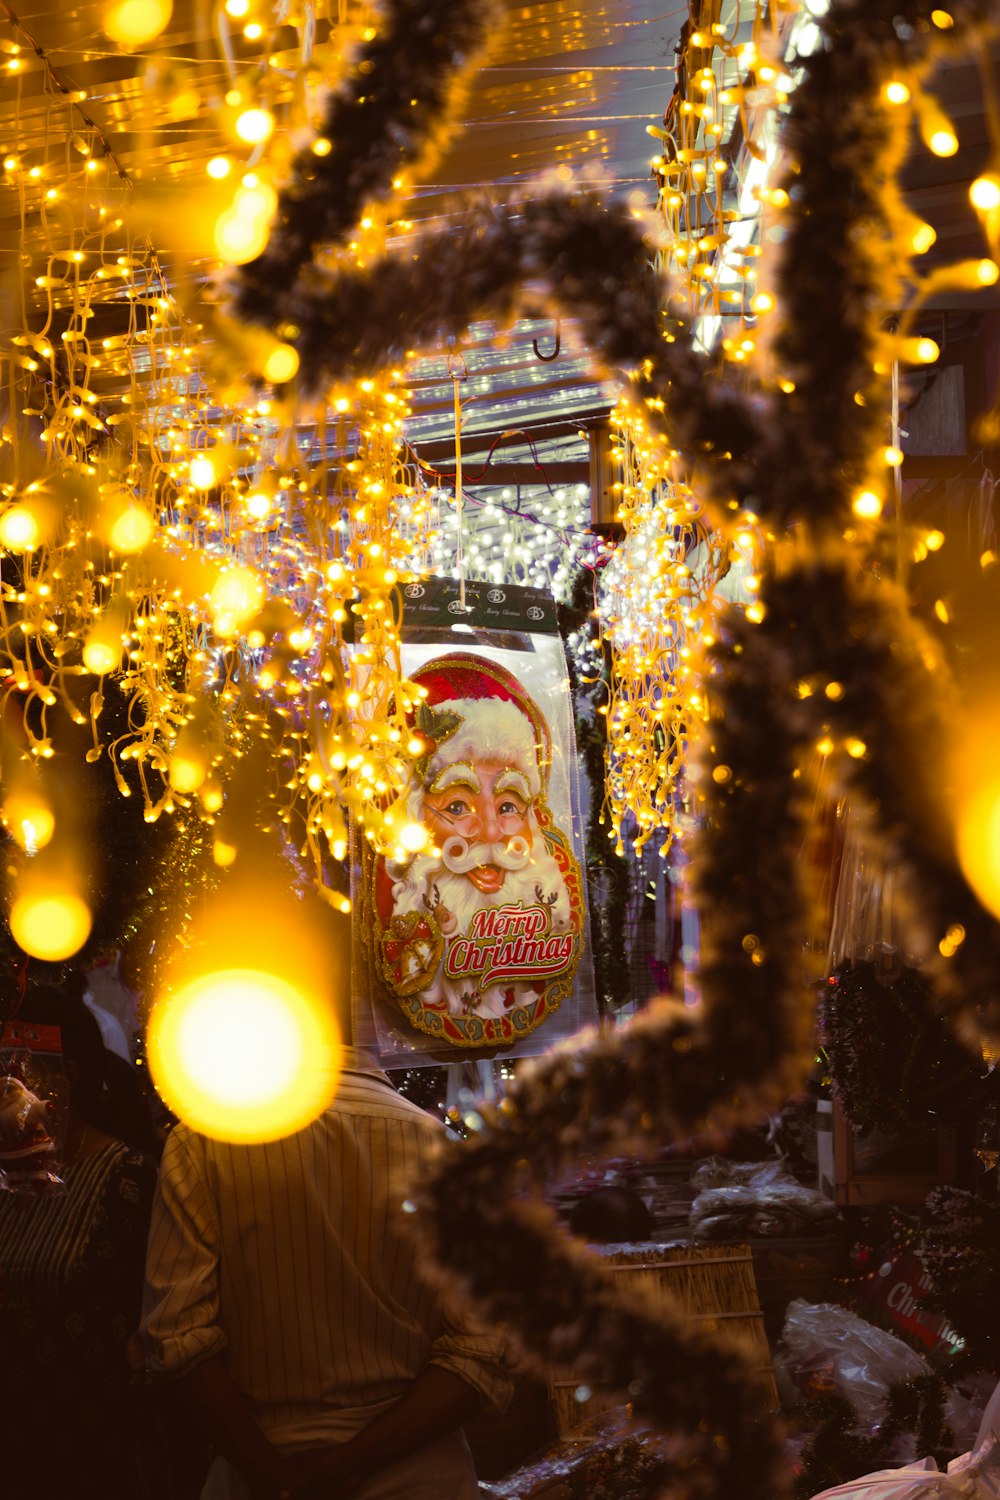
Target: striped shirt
[{"x": 293, "y": 1258}]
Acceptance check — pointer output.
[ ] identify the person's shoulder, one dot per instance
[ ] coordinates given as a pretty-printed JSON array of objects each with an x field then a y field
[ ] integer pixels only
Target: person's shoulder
[{"x": 373, "y": 1094}]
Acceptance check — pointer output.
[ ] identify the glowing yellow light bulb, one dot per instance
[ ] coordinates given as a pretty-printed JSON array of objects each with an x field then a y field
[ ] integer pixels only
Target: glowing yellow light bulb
[
  {"x": 253, "y": 31},
  {"x": 855, "y": 748},
  {"x": 934, "y": 541},
  {"x": 29, "y": 820},
  {"x": 867, "y": 504},
  {"x": 987, "y": 272},
  {"x": 131, "y": 530},
  {"x": 219, "y": 167},
  {"x": 236, "y": 597},
  {"x": 943, "y": 19},
  {"x": 243, "y": 1055},
  {"x": 281, "y": 364},
  {"x": 201, "y": 472},
  {"x": 925, "y": 351},
  {"x": 825, "y": 745},
  {"x": 133, "y": 23},
  {"x": 978, "y": 840},
  {"x": 50, "y": 922},
  {"x": 102, "y": 650},
  {"x": 258, "y": 505},
  {"x": 210, "y": 793},
  {"x": 936, "y": 129},
  {"x": 984, "y": 193},
  {"x": 237, "y": 9},
  {"x": 922, "y": 238},
  {"x": 19, "y": 529},
  {"x": 893, "y": 455},
  {"x": 187, "y": 770},
  {"x": 414, "y": 837},
  {"x": 254, "y": 126},
  {"x": 896, "y": 92},
  {"x": 238, "y": 240}
]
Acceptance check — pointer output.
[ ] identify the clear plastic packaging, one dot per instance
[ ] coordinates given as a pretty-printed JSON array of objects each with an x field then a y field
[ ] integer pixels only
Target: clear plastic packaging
[
  {"x": 824, "y": 1346},
  {"x": 756, "y": 1198},
  {"x": 472, "y": 939}
]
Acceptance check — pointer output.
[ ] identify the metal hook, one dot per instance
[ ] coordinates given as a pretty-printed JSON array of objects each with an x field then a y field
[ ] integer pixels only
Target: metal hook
[{"x": 548, "y": 358}]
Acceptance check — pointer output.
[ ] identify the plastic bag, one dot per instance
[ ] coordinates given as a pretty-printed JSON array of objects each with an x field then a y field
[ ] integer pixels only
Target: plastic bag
[
  {"x": 33, "y": 1094},
  {"x": 824, "y": 1346},
  {"x": 608, "y": 1457},
  {"x": 758, "y": 1198}
]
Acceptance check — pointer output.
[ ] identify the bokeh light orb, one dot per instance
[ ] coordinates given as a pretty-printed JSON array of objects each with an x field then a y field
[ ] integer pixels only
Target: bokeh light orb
[
  {"x": 978, "y": 841},
  {"x": 133, "y": 23},
  {"x": 131, "y": 530},
  {"x": 243, "y": 1055},
  {"x": 51, "y": 925},
  {"x": 19, "y": 529}
]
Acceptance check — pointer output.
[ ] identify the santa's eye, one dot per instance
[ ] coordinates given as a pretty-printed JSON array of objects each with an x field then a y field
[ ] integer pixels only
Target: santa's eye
[
  {"x": 457, "y": 807},
  {"x": 509, "y": 809}
]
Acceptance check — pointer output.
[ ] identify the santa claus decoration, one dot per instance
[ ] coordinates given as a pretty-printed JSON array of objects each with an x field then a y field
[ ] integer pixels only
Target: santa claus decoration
[{"x": 476, "y": 936}]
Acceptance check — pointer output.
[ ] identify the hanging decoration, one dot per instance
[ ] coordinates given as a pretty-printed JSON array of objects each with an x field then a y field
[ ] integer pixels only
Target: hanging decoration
[{"x": 471, "y": 930}]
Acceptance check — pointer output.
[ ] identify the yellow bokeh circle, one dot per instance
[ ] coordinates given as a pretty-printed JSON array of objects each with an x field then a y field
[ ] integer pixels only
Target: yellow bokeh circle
[
  {"x": 978, "y": 841},
  {"x": 50, "y": 925},
  {"x": 243, "y": 1055},
  {"x": 133, "y": 23}
]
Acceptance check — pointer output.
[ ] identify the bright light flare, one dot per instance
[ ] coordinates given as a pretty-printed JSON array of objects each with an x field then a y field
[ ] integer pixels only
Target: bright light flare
[
  {"x": 237, "y": 596},
  {"x": 254, "y": 126},
  {"x": 133, "y": 23},
  {"x": 975, "y": 776},
  {"x": 979, "y": 841},
  {"x": 243, "y": 1055},
  {"x": 50, "y": 923},
  {"x": 29, "y": 820},
  {"x": 131, "y": 529},
  {"x": 201, "y": 472},
  {"x": 19, "y": 529},
  {"x": 984, "y": 194}
]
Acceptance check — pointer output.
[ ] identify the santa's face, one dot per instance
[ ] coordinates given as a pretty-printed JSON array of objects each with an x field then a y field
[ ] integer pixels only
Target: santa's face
[{"x": 477, "y": 812}]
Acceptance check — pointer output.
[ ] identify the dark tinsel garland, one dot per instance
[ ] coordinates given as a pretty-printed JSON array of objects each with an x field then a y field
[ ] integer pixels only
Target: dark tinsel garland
[
  {"x": 390, "y": 113},
  {"x": 841, "y": 1450},
  {"x": 796, "y": 457},
  {"x": 960, "y": 1251},
  {"x": 893, "y": 1061}
]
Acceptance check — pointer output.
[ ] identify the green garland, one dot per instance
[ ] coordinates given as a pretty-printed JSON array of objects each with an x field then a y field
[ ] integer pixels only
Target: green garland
[
  {"x": 960, "y": 1251},
  {"x": 893, "y": 1061},
  {"x": 840, "y": 1450},
  {"x": 607, "y": 874}
]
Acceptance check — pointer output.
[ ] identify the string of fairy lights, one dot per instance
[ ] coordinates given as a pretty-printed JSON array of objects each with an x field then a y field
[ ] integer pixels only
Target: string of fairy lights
[{"x": 173, "y": 518}]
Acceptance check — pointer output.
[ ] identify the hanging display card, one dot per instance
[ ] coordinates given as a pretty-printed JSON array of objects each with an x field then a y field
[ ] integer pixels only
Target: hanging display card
[{"x": 477, "y": 941}]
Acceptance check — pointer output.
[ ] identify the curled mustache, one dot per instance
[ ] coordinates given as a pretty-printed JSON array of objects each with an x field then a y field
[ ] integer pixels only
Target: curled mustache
[{"x": 459, "y": 856}]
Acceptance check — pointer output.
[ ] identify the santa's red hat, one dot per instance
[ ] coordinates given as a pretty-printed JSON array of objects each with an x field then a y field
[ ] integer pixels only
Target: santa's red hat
[{"x": 496, "y": 717}]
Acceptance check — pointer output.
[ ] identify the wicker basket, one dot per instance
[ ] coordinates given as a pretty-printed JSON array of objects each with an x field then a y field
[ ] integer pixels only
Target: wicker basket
[{"x": 715, "y": 1285}]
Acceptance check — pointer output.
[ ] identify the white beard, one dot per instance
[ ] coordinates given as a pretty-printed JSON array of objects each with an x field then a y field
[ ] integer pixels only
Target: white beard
[{"x": 427, "y": 885}]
